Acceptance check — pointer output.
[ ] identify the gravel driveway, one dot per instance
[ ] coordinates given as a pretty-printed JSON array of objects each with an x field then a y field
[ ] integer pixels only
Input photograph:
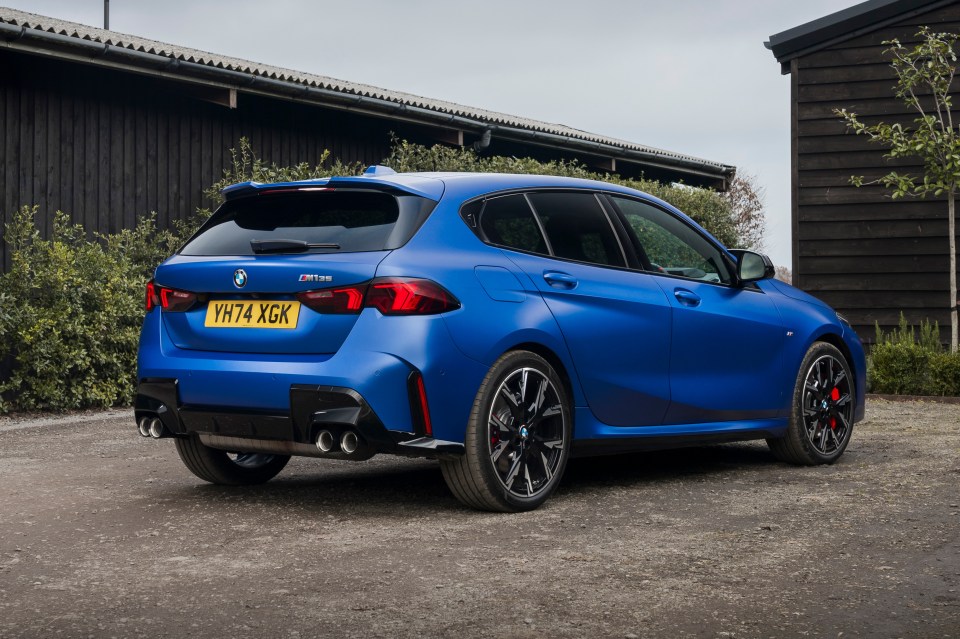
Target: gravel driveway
[{"x": 105, "y": 534}]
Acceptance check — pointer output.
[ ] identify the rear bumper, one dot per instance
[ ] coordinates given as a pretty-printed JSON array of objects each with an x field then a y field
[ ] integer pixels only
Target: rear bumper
[
  {"x": 374, "y": 364},
  {"x": 313, "y": 409}
]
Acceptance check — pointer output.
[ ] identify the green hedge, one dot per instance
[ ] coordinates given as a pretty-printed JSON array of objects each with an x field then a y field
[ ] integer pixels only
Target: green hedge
[
  {"x": 71, "y": 305},
  {"x": 70, "y": 312},
  {"x": 908, "y": 362}
]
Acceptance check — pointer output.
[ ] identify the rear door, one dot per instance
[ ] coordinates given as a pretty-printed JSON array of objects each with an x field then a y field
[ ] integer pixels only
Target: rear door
[{"x": 616, "y": 322}]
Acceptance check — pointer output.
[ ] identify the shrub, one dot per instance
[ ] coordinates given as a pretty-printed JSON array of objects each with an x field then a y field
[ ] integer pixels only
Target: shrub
[
  {"x": 70, "y": 312},
  {"x": 910, "y": 362},
  {"x": 900, "y": 369}
]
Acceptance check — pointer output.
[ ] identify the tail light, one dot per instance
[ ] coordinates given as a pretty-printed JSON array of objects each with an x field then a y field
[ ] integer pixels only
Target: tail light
[
  {"x": 335, "y": 300},
  {"x": 389, "y": 295},
  {"x": 169, "y": 299},
  {"x": 407, "y": 296}
]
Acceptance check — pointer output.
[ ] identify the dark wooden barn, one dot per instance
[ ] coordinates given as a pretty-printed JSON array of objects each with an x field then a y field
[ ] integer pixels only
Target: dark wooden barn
[
  {"x": 107, "y": 126},
  {"x": 867, "y": 255}
]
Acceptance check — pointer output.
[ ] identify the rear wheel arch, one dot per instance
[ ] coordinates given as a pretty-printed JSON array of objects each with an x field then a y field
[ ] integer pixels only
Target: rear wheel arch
[{"x": 561, "y": 369}]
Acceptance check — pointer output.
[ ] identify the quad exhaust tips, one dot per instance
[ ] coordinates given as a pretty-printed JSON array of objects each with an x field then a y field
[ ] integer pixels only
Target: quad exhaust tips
[{"x": 151, "y": 427}]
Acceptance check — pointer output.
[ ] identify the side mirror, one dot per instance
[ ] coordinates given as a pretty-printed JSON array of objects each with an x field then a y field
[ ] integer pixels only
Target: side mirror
[{"x": 753, "y": 266}]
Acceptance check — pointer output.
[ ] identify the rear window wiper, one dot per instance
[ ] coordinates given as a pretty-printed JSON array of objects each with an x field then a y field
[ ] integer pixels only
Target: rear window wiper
[{"x": 288, "y": 246}]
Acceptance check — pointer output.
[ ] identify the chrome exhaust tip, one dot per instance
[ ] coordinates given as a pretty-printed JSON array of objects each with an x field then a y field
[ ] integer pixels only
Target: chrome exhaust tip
[
  {"x": 156, "y": 428},
  {"x": 325, "y": 441},
  {"x": 349, "y": 442},
  {"x": 144, "y": 426}
]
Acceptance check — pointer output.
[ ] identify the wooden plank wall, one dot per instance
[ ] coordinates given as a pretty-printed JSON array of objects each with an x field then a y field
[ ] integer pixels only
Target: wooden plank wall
[
  {"x": 867, "y": 255},
  {"x": 107, "y": 146}
]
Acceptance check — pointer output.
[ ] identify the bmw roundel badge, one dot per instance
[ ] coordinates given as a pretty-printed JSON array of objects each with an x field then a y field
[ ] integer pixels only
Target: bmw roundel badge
[{"x": 240, "y": 278}]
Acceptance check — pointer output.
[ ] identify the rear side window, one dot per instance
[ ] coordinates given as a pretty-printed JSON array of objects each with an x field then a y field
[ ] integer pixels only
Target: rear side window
[
  {"x": 508, "y": 221},
  {"x": 577, "y": 228},
  {"x": 354, "y": 221}
]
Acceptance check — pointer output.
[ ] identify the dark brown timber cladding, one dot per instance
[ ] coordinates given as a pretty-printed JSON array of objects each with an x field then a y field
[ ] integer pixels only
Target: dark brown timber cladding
[
  {"x": 857, "y": 249},
  {"x": 107, "y": 146}
]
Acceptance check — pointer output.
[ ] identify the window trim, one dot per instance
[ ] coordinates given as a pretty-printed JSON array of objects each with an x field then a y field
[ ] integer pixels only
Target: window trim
[
  {"x": 608, "y": 215},
  {"x": 724, "y": 255}
]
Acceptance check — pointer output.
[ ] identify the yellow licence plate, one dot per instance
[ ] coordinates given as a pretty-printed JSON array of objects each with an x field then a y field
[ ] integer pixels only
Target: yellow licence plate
[{"x": 258, "y": 314}]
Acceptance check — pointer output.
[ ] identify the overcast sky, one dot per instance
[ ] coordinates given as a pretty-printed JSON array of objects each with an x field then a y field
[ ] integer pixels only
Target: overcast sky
[{"x": 690, "y": 76}]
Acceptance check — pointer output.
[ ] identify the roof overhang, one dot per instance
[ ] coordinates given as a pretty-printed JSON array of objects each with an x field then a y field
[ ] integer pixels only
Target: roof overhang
[{"x": 844, "y": 25}]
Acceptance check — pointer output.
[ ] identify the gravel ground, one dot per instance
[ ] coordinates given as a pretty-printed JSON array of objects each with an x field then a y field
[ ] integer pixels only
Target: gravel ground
[{"x": 105, "y": 534}]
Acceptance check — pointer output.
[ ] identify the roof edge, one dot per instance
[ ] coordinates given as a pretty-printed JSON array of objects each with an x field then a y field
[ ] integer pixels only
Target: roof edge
[{"x": 844, "y": 25}]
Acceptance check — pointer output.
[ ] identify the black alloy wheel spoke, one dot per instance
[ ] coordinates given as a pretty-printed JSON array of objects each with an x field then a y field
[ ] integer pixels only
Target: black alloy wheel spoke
[
  {"x": 843, "y": 419},
  {"x": 512, "y": 403},
  {"x": 499, "y": 449},
  {"x": 841, "y": 375},
  {"x": 497, "y": 422},
  {"x": 511, "y": 475},
  {"x": 823, "y": 438}
]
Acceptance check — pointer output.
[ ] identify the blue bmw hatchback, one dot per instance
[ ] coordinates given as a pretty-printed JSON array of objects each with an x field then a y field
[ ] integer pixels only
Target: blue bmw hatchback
[{"x": 497, "y": 323}]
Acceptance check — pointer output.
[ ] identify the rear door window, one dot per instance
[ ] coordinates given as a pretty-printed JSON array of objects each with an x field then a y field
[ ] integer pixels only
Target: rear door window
[
  {"x": 577, "y": 228},
  {"x": 347, "y": 221},
  {"x": 564, "y": 224}
]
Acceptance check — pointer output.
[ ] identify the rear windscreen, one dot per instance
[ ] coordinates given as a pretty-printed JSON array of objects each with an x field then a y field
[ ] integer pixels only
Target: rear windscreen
[{"x": 347, "y": 221}]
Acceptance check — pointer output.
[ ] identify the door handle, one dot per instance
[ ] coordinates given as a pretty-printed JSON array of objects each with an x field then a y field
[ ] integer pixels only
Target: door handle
[
  {"x": 685, "y": 297},
  {"x": 556, "y": 279}
]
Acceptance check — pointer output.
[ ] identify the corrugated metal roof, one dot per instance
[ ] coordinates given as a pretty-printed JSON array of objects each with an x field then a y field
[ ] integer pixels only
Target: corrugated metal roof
[{"x": 92, "y": 34}]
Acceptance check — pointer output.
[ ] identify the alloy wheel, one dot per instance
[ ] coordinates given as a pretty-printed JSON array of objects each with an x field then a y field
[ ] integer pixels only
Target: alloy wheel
[
  {"x": 827, "y": 405},
  {"x": 526, "y": 432}
]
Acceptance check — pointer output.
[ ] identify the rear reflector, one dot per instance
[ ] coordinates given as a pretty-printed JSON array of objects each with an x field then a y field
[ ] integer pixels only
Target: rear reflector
[{"x": 419, "y": 409}]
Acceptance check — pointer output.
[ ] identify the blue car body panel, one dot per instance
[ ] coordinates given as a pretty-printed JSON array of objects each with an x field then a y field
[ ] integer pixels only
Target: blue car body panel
[{"x": 643, "y": 355}]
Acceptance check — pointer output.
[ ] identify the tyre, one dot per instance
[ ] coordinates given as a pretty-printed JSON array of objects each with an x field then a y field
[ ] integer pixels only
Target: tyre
[
  {"x": 821, "y": 418},
  {"x": 232, "y": 469},
  {"x": 517, "y": 440}
]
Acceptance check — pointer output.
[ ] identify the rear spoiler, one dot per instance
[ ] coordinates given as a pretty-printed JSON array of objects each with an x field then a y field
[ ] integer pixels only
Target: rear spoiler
[{"x": 429, "y": 188}]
